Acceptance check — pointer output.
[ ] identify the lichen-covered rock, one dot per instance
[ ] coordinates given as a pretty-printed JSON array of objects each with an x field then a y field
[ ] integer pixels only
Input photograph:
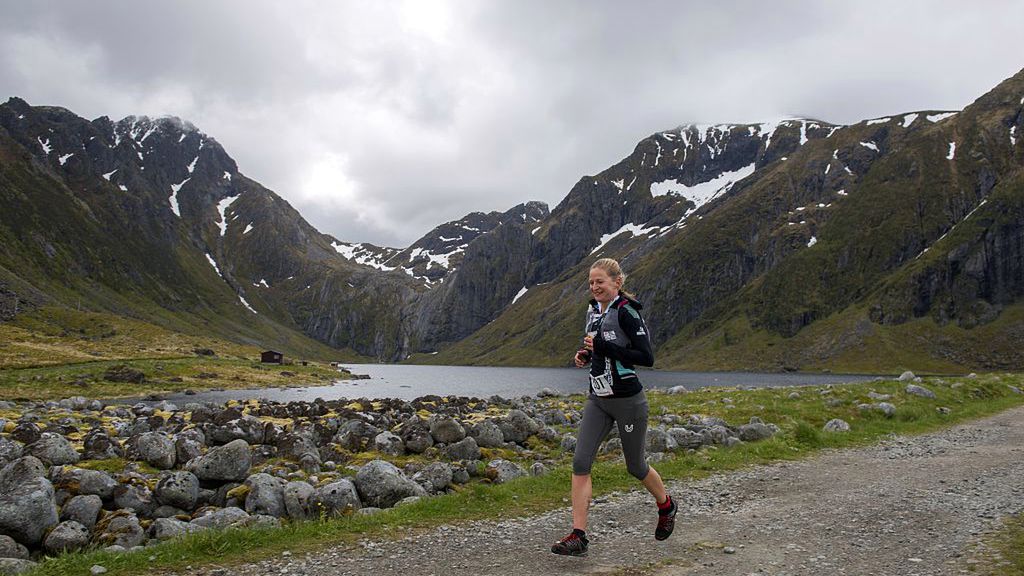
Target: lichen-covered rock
[
  {"x": 10, "y": 450},
  {"x": 167, "y": 528},
  {"x": 434, "y": 477},
  {"x": 98, "y": 445},
  {"x": 388, "y": 443},
  {"x": 919, "y": 391},
  {"x": 465, "y": 449},
  {"x": 83, "y": 481},
  {"x": 686, "y": 439},
  {"x": 518, "y": 426},
  {"x": 265, "y": 495},
  {"x": 298, "y": 500},
  {"x": 356, "y": 435},
  {"x": 380, "y": 484},
  {"x": 68, "y": 536},
  {"x": 447, "y": 430},
  {"x": 13, "y": 566},
  {"x": 837, "y": 425},
  {"x": 230, "y": 462},
  {"x": 53, "y": 450},
  {"x": 336, "y": 498},
  {"x": 136, "y": 497},
  {"x": 487, "y": 434},
  {"x": 27, "y": 505},
  {"x": 9, "y": 548},
  {"x": 84, "y": 509},
  {"x": 659, "y": 441},
  {"x": 501, "y": 471},
  {"x": 154, "y": 448},
  {"x": 220, "y": 518},
  {"x": 121, "y": 528},
  {"x": 179, "y": 489},
  {"x": 755, "y": 431}
]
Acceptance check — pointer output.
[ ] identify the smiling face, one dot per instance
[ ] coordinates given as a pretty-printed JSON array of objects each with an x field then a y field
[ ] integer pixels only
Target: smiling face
[{"x": 603, "y": 287}]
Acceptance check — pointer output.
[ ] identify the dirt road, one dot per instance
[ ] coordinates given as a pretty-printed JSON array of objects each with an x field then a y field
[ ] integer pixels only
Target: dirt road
[{"x": 908, "y": 506}]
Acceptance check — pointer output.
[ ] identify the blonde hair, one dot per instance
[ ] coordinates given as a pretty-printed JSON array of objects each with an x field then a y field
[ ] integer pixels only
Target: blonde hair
[{"x": 614, "y": 271}]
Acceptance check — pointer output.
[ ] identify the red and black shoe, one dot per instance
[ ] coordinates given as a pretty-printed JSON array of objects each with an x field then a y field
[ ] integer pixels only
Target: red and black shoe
[
  {"x": 571, "y": 545},
  {"x": 666, "y": 521}
]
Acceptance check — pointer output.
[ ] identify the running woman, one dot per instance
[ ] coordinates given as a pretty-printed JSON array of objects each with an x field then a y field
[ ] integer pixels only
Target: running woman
[{"x": 616, "y": 342}]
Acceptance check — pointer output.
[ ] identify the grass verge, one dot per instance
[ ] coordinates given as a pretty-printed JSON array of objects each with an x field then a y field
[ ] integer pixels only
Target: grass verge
[{"x": 800, "y": 419}]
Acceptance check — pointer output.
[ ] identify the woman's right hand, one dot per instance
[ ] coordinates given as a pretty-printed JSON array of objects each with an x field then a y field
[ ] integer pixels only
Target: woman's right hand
[{"x": 580, "y": 359}]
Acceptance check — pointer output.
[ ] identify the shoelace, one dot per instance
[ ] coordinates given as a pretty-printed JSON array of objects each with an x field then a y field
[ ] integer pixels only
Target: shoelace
[{"x": 570, "y": 540}]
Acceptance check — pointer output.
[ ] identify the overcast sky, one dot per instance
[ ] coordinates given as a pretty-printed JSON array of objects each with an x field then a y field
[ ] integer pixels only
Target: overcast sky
[{"x": 378, "y": 120}]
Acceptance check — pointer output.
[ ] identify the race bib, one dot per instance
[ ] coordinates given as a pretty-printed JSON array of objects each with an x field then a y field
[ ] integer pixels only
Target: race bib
[{"x": 602, "y": 385}]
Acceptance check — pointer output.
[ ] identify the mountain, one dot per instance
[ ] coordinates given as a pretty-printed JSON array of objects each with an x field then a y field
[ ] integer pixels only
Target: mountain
[
  {"x": 896, "y": 239},
  {"x": 790, "y": 244}
]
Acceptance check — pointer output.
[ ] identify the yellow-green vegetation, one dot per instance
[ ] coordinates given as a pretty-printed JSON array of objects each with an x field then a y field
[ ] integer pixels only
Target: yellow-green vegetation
[
  {"x": 800, "y": 419},
  {"x": 57, "y": 352},
  {"x": 1004, "y": 551}
]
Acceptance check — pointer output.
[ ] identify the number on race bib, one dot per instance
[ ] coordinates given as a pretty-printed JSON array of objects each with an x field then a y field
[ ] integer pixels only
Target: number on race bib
[{"x": 602, "y": 385}]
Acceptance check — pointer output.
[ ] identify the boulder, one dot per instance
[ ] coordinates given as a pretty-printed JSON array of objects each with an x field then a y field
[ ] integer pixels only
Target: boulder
[
  {"x": 568, "y": 442},
  {"x": 465, "y": 449},
  {"x": 220, "y": 518},
  {"x": 9, "y": 548},
  {"x": 154, "y": 448},
  {"x": 14, "y": 566},
  {"x": 716, "y": 434},
  {"x": 246, "y": 428},
  {"x": 919, "y": 391},
  {"x": 98, "y": 445},
  {"x": 27, "y": 505},
  {"x": 168, "y": 528},
  {"x": 26, "y": 432},
  {"x": 84, "y": 509},
  {"x": 298, "y": 500},
  {"x": 227, "y": 463},
  {"x": 295, "y": 445},
  {"x": 82, "y": 481},
  {"x": 68, "y": 536},
  {"x": 447, "y": 430},
  {"x": 837, "y": 425},
  {"x": 356, "y": 435},
  {"x": 886, "y": 408},
  {"x": 685, "y": 438},
  {"x": 136, "y": 497},
  {"x": 517, "y": 426},
  {"x": 755, "y": 431},
  {"x": 336, "y": 498},
  {"x": 434, "y": 477},
  {"x": 10, "y": 450},
  {"x": 501, "y": 471},
  {"x": 416, "y": 439},
  {"x": 122, "y": 373},
  {"x": 380, "y": 484},
  {"x": 486, "y": 434},
  {"x": 121, "y": 528},
  {"x": 660, "y": 441},
  {"x": 388, "y": 443},
  {"x": 907, "y": 376},
  {"x": 265, "y": 496},
  {"x": 53, "y": 450},
  {"x": 179, "y": 489}
]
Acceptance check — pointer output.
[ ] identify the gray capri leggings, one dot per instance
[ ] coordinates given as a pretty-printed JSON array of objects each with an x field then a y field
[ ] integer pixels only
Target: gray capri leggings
[{"x": 630, "y": 413}]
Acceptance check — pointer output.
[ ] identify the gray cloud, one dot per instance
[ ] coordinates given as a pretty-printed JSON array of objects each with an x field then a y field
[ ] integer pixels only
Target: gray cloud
[{"x": 380, "y": 120}]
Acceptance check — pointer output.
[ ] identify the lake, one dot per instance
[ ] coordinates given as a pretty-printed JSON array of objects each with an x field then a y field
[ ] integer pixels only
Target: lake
[{"x": 411, "y": 381}]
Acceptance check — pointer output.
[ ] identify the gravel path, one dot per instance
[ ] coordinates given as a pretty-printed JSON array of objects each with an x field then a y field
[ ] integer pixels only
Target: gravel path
[{"x": 908, "y": 506}]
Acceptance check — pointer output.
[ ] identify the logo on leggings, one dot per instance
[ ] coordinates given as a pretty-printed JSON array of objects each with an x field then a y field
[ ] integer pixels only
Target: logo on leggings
[{"x": 629, "y": 427}]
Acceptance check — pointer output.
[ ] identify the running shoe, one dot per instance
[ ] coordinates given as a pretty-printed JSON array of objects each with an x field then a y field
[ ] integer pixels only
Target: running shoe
[
  {"x": 666, "y": 523},
  {"x": 571, "y": 545}
]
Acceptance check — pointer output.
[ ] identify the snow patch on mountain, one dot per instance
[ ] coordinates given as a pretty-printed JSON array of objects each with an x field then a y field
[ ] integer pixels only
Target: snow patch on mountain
[
  {"x": 63, "y": 159},
  {"x": 109, "y": 174},
  {"x": 701, "y": 194},
  {"x": 360, "y": 254},
  {"x": 952, "y": 151},
  {"x": 222, "y": 207},
  {"x": 174, "y": 197},
  {"x": 520, "y": 294},
  {"x": 632, "y": 229},
  {"x": 940, "y": 117},
  {"x": 909, "y": 119},
  {"x": 45, "y": 145}
]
